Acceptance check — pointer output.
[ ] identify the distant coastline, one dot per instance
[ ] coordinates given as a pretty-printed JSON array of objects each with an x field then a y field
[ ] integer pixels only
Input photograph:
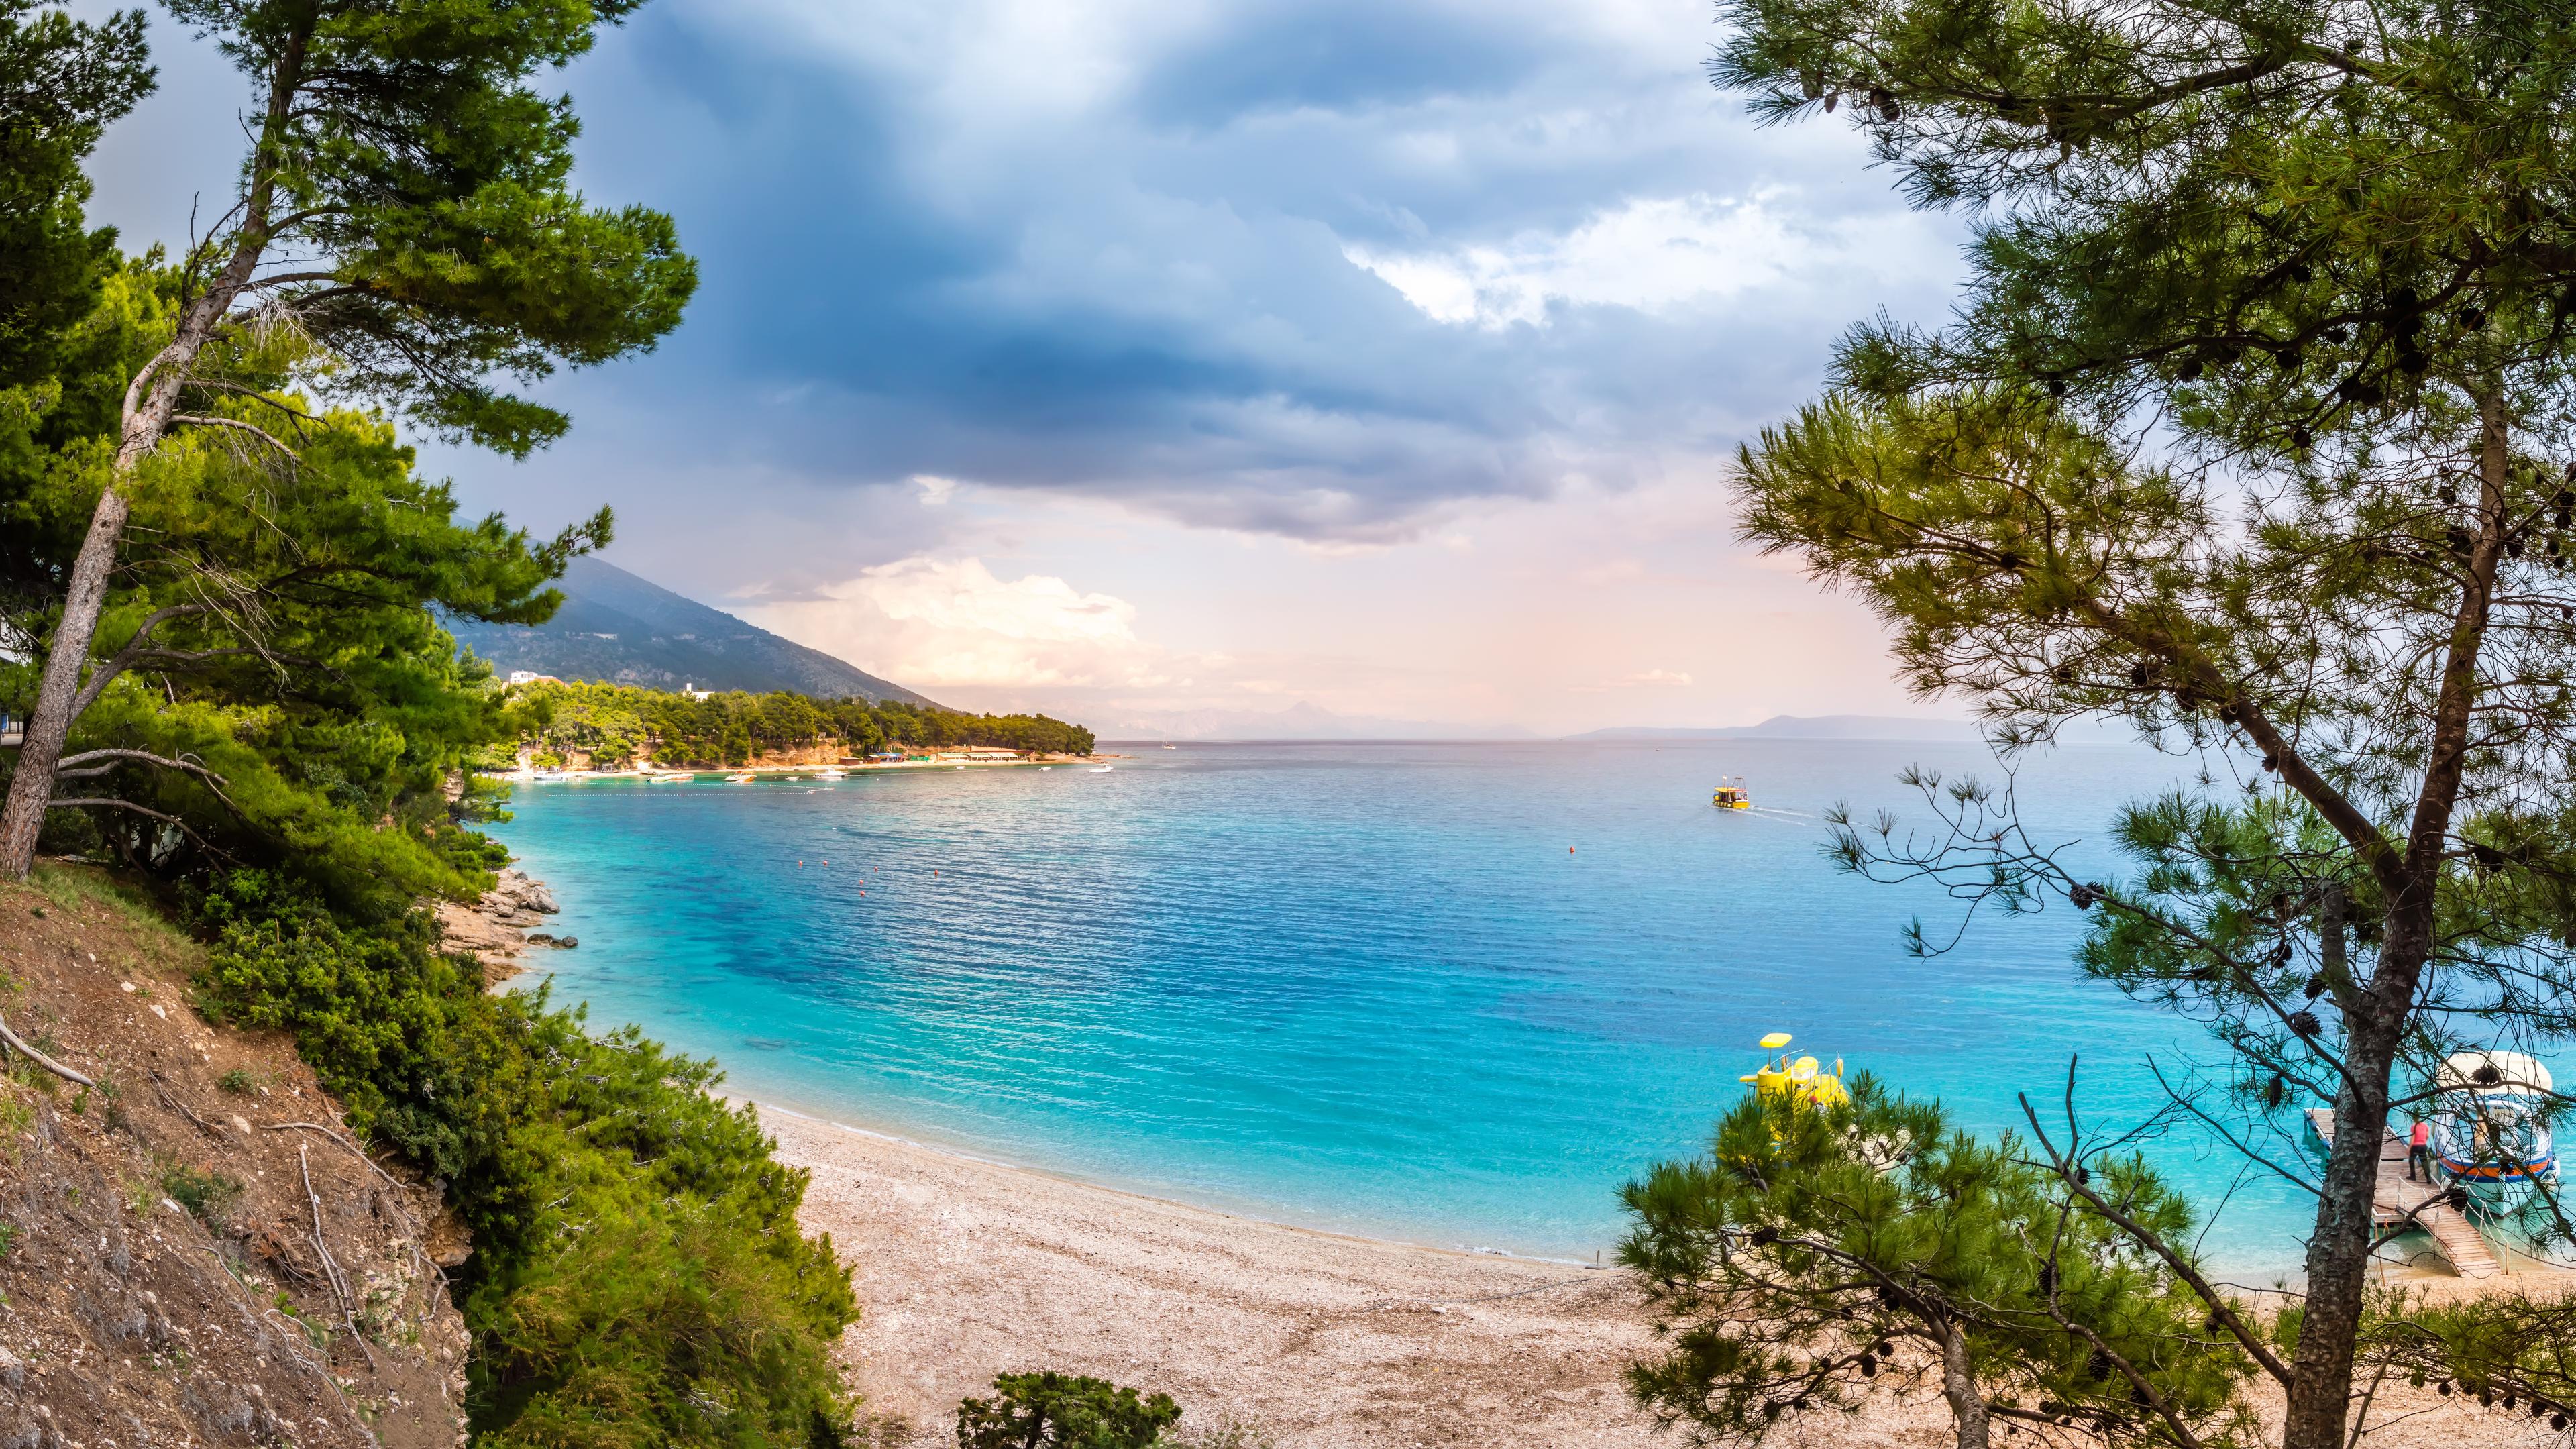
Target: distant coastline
[{"x": 529, "y": 775}]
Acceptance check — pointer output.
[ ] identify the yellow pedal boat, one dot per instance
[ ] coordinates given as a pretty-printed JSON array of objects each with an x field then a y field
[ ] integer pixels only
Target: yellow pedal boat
[{"x": 1800, "y": 1079}]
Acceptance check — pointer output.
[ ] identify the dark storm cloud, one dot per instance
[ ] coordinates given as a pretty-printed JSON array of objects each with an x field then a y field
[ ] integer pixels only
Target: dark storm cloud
[{"x": 932, "y": 245}]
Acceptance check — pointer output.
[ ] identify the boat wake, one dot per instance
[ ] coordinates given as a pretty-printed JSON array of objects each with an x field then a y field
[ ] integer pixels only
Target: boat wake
[{"x": 1773, "y": 812}]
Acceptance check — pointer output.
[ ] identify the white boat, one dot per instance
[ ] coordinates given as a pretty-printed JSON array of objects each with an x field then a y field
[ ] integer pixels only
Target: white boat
[
  {"x": 2491, "y": 1130},
  {"x": 673, "y": 779},
  {"x": 831, "y": 774},
  {"x": 742, "y": 779},
  {"x": 1101, "y": 769}
]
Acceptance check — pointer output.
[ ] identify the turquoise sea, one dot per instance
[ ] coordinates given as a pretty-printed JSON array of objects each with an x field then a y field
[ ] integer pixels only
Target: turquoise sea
[{"x": 1446, "y": 993}]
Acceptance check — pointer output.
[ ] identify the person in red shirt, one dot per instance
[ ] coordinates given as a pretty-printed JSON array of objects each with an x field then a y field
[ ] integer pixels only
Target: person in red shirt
[{"x": 2419, "y": 1153}]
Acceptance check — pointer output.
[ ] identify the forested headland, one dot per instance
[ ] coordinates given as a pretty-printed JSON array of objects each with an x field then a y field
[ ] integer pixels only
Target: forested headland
[{"x": 615, "y": 726}]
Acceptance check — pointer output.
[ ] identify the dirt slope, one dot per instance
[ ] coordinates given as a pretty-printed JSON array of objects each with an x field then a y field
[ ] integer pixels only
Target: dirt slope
[{"x": 167, "y": 1277}]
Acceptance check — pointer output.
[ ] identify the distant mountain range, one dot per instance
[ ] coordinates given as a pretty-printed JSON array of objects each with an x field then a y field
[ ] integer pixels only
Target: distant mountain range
[
  {"x": 619, "y": 629},
  {"x": 1815, "y": 727}
]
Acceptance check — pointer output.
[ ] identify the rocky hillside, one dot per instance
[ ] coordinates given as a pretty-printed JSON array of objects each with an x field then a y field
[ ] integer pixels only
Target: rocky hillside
[{"x": 192, "y": 1250}]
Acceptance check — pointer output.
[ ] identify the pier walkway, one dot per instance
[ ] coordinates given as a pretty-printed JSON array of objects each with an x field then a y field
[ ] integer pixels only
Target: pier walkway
[{"x": 2458, "y": 1238}]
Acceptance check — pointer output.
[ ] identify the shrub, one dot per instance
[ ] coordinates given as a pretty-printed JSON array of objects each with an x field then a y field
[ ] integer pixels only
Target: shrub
[
  {"x": 1062, "y": 1411},
  {"x": 206, "y": 1194},
  {"x": 638, "y": 1276}
]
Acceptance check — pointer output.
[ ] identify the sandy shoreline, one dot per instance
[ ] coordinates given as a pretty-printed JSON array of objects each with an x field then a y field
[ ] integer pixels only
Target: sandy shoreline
[
  {"x": 967, "y": 1268},
  {"x": 970, "y": 1268}
]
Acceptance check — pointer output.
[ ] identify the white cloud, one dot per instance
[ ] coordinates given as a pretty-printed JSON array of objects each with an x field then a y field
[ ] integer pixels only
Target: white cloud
[
  {"x": 935, "y": 490},
  {"x": 930, "y": 623},
  {"x": 1647, "y": 254}
]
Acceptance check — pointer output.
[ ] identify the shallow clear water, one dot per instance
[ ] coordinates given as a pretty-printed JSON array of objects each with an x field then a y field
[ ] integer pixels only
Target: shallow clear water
[{"x": 1361, "y": 987}]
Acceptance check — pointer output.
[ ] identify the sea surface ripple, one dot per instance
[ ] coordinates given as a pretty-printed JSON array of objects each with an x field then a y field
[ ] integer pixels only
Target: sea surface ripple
[{"x": 1447, "y": 993}]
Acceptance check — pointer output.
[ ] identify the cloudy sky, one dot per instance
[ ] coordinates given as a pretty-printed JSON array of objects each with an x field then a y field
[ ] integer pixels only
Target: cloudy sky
[{"x": 1140, "y": 360}]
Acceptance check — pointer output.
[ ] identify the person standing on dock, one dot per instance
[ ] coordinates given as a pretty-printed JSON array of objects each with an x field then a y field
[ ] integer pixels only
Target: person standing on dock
[{"x": 2419, "y": 1152}]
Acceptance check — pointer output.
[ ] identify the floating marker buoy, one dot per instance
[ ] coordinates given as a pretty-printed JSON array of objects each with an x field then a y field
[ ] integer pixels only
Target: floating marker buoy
[{"x": 1569, "y": 850}]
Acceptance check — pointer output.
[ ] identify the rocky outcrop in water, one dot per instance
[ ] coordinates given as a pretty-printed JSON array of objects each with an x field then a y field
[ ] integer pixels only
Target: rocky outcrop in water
[{"x": 496, "y": 929}]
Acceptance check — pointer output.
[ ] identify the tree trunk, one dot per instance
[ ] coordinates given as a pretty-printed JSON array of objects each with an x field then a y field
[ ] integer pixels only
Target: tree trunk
[
  {"x": 1959, "y": 1386},
  {"x": 2339, "y": 1251},
  {"x": 2375, "y": 1020},
  {"x": 32, "y": 784}
]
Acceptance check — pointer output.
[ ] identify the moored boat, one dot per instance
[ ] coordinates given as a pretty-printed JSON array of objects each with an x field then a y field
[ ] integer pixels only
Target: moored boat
[{"x": 2491, "y": 1135}]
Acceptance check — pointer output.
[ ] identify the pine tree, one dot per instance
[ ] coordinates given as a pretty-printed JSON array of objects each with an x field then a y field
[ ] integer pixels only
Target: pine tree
[
  {"x": 405, "y": 207},
  {"x": 2251, "y": 429},
  {"x": 1812, "y": 1255}
]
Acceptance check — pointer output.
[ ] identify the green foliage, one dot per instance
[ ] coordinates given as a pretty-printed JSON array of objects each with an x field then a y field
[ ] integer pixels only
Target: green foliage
[
  {"x": 2250, "y": 428},
  {"x": 277, "y": 633},
  {"x": 639, "y": 1276},
  {"x": 208, "y": 1194},
  {"x": 1062, "y": 1411},
  {"x": 616, "y": 724},
  {"x": 2505, "y": 1351},
  {"x": 2281, "y": 219},
  {"x": 1812, "y": 1253},
  {"x": 62, "y": 81},
  {"x": 420, "y": 180}
]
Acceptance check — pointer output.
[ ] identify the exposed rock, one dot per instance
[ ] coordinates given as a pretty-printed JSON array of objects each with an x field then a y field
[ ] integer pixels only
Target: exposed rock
[
  {"x": 518, "y": 889},
  {"x": 495, "y": 928}
]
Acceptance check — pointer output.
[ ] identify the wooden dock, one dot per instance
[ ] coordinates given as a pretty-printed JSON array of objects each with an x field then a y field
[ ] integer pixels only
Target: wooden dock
[{"x": 2458, "y": 1239}]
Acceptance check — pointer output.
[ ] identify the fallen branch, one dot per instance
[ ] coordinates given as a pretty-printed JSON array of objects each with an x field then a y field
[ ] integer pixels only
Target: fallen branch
[
  {"x": 339, "y": 1284},
  {"x": 40, "y": 1059},
  {"x": 171, "y": 1100},
  {"x": 412, "y": 1234},
  {"x": 354, "y": 1150}
]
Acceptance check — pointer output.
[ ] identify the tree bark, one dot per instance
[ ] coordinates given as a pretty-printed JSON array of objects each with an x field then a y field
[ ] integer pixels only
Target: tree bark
[
  {"x": 150, "y": 400},
  {"x": 2339, "y": 1251},
  {"x": 2375, "y": 1019},
  {"x": 1959, "y": 1386},
  {"x": 31, "y": 785}
]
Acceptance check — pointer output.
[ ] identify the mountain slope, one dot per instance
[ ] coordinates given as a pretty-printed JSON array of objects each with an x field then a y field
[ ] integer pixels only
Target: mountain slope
[{"x": 621, "y": 629}]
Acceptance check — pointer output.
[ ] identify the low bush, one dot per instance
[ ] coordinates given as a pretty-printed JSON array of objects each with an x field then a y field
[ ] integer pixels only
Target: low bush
[
  {"x": 1063, "y": 1411},
  {"x": 638, "y": 1274}
]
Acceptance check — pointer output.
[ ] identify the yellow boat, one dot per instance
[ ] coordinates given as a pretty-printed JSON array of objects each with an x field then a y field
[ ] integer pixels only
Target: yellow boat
[
  {"x": 1730, "y": 794},
  {"x": 1802, "y": 1079}
]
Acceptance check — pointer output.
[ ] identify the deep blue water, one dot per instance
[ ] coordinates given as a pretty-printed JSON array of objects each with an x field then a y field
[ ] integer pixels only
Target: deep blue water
[{"x": 1360, "y": 987}]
